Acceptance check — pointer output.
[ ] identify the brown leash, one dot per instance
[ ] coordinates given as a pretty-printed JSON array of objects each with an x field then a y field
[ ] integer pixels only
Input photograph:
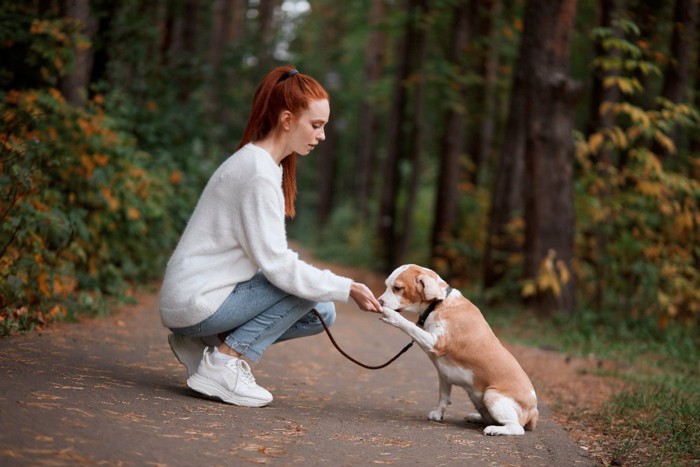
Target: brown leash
[
  {"x": 419, "y": 323},
  {"x": 357, "y": 362}
]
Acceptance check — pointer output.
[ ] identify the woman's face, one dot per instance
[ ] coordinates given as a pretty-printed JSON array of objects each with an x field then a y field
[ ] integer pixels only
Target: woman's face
[{"x": 307, "y": 130}]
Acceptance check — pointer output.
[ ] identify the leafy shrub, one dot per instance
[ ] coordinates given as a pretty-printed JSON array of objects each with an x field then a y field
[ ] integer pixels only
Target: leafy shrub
[{"x": 83, "y": 211}]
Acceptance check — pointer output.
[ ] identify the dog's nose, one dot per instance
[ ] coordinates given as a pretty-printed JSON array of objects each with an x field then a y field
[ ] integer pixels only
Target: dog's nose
[{"x": 381, "y": 301}]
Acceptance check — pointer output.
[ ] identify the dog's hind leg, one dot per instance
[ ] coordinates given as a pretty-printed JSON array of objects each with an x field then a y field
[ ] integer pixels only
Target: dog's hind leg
[
  {"x": 443, "y": 401},
  {"x": 505, "y": 411},
  {"x": 474, "y": 417}
]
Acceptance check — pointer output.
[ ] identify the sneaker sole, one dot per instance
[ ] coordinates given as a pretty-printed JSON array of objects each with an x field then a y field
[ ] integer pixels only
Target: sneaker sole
[{"x": 211, "y": 389}]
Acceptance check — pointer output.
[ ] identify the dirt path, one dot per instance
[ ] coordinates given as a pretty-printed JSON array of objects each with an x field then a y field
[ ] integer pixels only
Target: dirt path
[{"x": 109, "y": 391}]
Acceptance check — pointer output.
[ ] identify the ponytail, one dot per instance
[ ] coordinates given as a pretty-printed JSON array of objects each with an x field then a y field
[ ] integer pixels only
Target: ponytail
[{"x": 283, "y": 88}]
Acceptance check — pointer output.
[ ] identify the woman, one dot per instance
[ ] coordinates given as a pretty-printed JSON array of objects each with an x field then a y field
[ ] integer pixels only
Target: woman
[{"x": 232, "y": 286}]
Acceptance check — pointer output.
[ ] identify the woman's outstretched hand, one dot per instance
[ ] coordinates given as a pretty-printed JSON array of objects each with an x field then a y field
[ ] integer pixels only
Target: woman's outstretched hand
[{"x": 364, "y": 298}]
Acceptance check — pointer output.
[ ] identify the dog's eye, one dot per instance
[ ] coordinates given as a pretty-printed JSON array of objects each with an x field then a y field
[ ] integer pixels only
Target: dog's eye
[{"x": 397, "y": 289}]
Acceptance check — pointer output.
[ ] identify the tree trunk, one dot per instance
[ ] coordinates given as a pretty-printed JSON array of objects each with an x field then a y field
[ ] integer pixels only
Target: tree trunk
[
  {"x": 416, "y": 136},
  {"x": 694, "y": 136},
  {"x": 645, "y": 14},
  {"x": 327, "y": 177},
  {"x": 368, "y": 128},
  {"x": 74, "y": 85},
  {"x": 453, "y": 141},
  {"x": 386, "y": 233},
  {"x": 489, "y": 70},
  {"x": 677, "y": 74},
  {"x": 102, "y": 43},
  {"x": 507, "y": 195},
  {"x": 599, "y": 121},
  {"x": 227, "y": 29},
  {"x": 189, "y": 24},
  {"x": 549, "y": 152},
  {"x": 600, "y": 94},
  {"x": 266, "y": 34},
  {"x": 166, "y": 42}
]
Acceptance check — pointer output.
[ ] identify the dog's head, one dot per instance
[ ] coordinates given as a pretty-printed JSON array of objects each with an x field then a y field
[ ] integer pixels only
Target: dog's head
[{"x": 412, "y": 288}]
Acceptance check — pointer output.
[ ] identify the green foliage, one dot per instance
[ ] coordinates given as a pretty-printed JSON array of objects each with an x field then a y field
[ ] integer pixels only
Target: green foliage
[
  {"x": 80, "y": 209},
  {"x": 460, "y": 258},
  {"x": 639, "y": 220},
  {"x": 343, "y": 240},
  {"x": 655, "y": 417}
]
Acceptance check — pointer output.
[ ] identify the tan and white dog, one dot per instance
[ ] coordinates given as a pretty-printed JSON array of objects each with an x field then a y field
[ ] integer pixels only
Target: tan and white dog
[{"x": 464, "y": 350}]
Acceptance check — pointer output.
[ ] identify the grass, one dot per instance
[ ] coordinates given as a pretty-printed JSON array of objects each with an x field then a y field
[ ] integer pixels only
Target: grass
[{"x": 656, "y": 421}]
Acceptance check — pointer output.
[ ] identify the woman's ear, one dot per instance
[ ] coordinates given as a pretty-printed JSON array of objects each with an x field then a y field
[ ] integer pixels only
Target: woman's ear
[{"x": 286, "y": 118}]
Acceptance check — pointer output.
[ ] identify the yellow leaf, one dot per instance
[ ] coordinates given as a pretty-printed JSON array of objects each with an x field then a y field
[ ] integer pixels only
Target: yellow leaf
[
  {"x": 112, "y": 202},
  {"x": 595, "y": 141},
  {"x": 133, "y": 213},
  {"x": 43, "y": 285},
  {"x": 648, "y": 188},
  {"x": 564, "y": 275},
  {"x": 529, "y": 289},
  {"x": 666, "y": 142}
]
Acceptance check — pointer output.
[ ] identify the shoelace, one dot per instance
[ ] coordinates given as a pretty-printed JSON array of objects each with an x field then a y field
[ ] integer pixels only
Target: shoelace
[{"x": 245, "y": 372}]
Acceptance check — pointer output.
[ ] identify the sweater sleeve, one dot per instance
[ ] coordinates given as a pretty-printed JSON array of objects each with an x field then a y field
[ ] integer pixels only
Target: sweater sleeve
[{"x": 263, "y": 238}]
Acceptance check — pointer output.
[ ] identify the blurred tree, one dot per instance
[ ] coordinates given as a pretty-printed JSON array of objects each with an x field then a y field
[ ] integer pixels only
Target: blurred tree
[
  {"x": 74, "y": 84},
  {"x": 386, "y": 231},
  {"x": 417, "y": 117},
  {"x": 105, "y": 12},
  {"x": 228, "y": 28},
  {"x": 550, "y": 97},
  {"x": 368, "y": 113},
  {"x": 607, "y": 67},
  {"x": 453, "y": 138},
  {"x": 678, "y": 71},
  {"x": 503, "y": 239},
  {"x": 607, "y": 11},
  {"x": 694, "y": 145},
  {"x": 326, "y": 180},
  {"x": 647, "y": 15},
  {"x": 485, "y": 94},
  {"x": 186, "y": 51}
]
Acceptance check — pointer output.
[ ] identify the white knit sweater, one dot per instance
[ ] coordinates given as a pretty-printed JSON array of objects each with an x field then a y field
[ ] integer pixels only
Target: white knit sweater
[{"x": 236, "y": 229}]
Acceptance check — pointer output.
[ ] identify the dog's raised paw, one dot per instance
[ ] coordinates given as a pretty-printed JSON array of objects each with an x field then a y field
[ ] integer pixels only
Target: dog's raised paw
[{"x": 390, "y": 316}]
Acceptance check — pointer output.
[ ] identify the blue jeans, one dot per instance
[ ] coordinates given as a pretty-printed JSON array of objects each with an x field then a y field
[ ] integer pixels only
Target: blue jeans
[{"x": 257, "y": 314}]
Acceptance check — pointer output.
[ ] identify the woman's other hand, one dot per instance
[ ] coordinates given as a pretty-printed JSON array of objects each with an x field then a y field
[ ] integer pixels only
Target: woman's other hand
[{"x": 364, "y": 298}]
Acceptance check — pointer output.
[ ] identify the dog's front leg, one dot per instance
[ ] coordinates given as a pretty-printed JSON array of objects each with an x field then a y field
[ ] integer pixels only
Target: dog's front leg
[
  {"x": 423, "y": 338},
  {"x": 444, "y": 401}
]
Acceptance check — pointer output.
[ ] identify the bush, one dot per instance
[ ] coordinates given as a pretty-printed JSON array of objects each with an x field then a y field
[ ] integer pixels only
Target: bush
[{"x": 80, "y": 205}]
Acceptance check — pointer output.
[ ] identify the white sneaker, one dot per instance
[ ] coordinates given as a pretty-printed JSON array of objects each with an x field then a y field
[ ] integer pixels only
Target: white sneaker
[
  {"x": 232, "y": 382},
  {"x": 188, "y": 351}
]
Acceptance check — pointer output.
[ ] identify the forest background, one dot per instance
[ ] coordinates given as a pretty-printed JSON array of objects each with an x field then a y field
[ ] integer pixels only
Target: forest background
[
  {"x": 541, "y": 155},
  {"x": 540, "y": 151}
]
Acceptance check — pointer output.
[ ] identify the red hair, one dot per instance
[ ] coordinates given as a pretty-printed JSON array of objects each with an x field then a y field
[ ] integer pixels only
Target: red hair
[{"x": 281, "y": 89}]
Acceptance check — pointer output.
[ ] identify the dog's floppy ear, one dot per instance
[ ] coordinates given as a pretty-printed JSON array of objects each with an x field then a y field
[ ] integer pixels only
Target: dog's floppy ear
[{"x": 431, "y": 288}]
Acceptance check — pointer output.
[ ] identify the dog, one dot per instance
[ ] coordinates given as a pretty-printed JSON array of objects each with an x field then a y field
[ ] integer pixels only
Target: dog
[{"x": 464, "y": 350}]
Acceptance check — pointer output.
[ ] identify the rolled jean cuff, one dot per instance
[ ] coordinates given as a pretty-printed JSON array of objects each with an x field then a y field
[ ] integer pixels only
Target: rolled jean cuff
[{"x": 243, "y": 349}]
